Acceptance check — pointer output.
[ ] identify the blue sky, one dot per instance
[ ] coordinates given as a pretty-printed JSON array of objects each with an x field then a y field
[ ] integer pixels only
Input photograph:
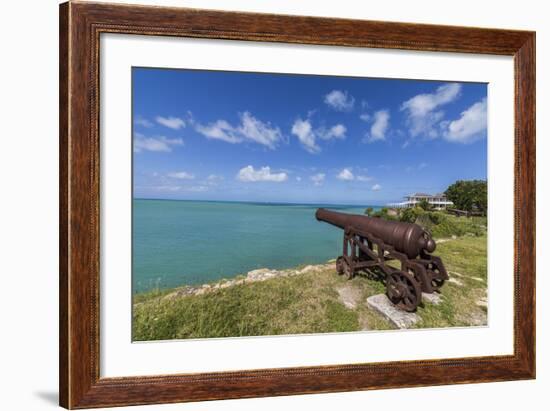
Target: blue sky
[{"x": 233, "y": 136}]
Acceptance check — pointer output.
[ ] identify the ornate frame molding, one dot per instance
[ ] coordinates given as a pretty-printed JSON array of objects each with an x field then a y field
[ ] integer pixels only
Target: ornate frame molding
[{"x": 80, "y": 27}]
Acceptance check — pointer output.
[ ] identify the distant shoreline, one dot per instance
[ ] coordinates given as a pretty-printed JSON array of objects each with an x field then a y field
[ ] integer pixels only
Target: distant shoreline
[{"x": 275, "y": 203}]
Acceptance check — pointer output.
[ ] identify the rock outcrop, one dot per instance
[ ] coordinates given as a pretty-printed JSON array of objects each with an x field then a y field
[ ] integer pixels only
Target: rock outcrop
[{"x": 260, "y": 274}]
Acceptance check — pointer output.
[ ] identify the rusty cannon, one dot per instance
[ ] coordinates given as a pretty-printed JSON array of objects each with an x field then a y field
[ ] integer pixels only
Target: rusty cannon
[{"x": 370, "y": 242}]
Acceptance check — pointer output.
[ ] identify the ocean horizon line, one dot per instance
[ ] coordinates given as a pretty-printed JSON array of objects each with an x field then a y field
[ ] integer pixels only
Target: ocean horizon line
[{"x": 260, "y": 202}]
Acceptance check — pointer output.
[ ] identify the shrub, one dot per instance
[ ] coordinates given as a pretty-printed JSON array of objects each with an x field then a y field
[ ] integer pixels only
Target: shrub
[
  {"x": 436, "y": 217},
  {"x": 424, "y": 205},
  {"x": 459, "y": 226},
  {"x": 425, "y": 221},
  {"x": 383, "y": 213},
  {"x": 410, "y": 215},
  {"x": 447, "y": 228},
  {"x": 438, "y": 223}
]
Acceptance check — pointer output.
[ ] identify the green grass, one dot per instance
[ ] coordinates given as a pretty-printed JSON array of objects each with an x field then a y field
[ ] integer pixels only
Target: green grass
[
  {"x": 443, "y": 225},
  {"x": 310, "y": 303},
  {"x": 305, "y": 303},
  {"x": 466, "y": 256}
]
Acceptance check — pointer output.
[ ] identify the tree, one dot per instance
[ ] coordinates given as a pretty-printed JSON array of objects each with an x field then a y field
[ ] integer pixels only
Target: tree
[
  {"x": 424, "y": 205},
  {"x": 369, "y": 211},
  {"x": 468, "y": 195}
]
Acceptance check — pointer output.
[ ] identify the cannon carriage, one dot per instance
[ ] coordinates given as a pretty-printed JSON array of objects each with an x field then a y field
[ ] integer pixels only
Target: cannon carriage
[{"x": 370, "y": 243}]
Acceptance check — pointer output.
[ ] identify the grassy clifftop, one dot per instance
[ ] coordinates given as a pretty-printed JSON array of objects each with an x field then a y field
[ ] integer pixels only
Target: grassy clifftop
[{"x": 314, "y": 300}]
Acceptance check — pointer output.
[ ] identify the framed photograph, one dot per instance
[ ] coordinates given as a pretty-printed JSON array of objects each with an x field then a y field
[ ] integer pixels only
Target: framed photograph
[{"x": 258, "y": 205}]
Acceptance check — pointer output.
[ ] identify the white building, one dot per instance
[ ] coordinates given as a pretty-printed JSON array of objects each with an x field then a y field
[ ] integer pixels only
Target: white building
[{"x": 437, "y": 201}]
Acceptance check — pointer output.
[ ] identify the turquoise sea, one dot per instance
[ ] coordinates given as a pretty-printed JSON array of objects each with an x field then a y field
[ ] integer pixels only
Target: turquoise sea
[{"x": 193, "y": 242}]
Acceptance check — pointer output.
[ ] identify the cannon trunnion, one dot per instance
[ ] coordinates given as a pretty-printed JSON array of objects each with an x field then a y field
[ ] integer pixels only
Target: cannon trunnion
[{"x": 371, "y": 242}]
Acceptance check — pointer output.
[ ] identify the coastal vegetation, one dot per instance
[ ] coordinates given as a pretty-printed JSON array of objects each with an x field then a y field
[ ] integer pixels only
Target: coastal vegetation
[
  {"x": 469, "y": 195},
  {"x": 315, "y": 300},
  {"x": 439, "y": 223}
]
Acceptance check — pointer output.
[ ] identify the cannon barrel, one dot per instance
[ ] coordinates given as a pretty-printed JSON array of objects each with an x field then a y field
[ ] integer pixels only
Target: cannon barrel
[{"x": 407, "y": 238}]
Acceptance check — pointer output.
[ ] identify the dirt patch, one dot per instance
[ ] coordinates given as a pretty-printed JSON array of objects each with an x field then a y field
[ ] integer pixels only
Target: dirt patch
[{"x": 349, "y": 295}]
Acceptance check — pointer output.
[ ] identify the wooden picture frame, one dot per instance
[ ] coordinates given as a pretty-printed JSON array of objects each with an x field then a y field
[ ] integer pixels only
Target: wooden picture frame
[{"x": 80, "y": 27}]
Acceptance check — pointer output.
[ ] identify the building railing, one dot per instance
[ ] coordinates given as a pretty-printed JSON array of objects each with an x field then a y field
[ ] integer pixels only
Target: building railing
[{"x": 412, "y": 203}]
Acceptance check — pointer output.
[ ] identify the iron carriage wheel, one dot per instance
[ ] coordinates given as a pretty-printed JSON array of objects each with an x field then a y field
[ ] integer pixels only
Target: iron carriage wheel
[
  {"x": 342, "y": 267},
  {"x": 436, "y": 278},
  {"x": 437, "y": 283},
  {"x": 403, "y": 290},
  {"x": 340, "y": 262}
]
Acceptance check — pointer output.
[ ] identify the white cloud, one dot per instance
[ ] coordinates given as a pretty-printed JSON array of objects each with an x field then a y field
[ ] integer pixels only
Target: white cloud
[
  {"x": 196, "y": 189},
  {"x": 318, "y": 179},
  {"x": 376, "y": 187},
  {"x": 158, "y": 144},
  {"x": 380, "y": 125},
  {"x": 174, "y": 123},
  {"x": 298, "y": 178},
  {"x": 303, "y": 130},
  {"x": 345, "y": 175},
  {"x": 250, "y": 129},
  {"x": 469, "y": 126},
  {"x": 365, "y": 117},
  {"x": 420, "y": 166},
  {"x": 140, "y": 121},
  {"x": 219, "y": 130},
  {"x": 337, "y": 131},
  {"x": 422, "y": 113},
  {"x": 250, "y": 175},
  {"x": 168, "y": 188},
  {"x": 363, "y": 178},
  {"x": 339, "y": 100},
  {"x": 214, "y": 179},
  {"x": 174, "y": 188},
  {"x": 422, "y": 104},
  {"x": 262, "y": 133},
  {"x": 181, "y": 175}
]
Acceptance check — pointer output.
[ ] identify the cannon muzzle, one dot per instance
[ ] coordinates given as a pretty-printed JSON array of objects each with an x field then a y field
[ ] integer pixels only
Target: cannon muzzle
[{"x": 407, "y": 238}]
